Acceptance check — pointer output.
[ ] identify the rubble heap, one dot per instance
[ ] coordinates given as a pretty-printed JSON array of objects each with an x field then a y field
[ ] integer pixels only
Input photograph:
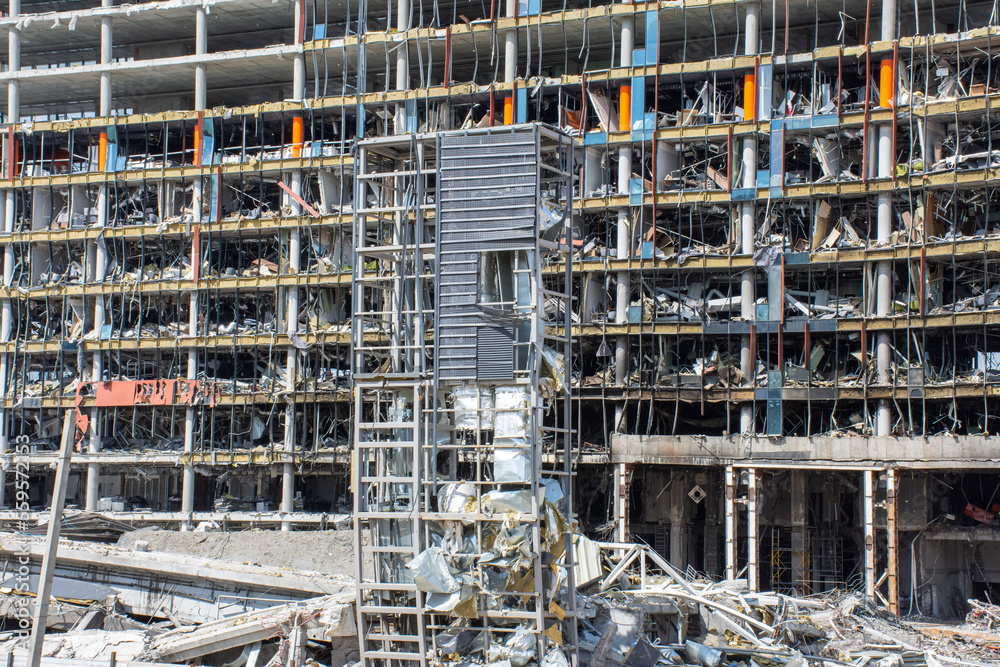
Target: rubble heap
[{"x": 641, "y": 618}]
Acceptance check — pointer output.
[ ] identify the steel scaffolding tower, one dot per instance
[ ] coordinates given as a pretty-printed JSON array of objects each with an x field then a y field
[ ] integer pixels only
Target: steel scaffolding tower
[{"x": 461, "y": 333}]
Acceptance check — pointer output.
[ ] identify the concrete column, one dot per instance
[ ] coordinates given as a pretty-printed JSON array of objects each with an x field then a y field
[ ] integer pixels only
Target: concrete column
[
  {"x": 883, "y": 295},
  {"x": 107, "y": 48},
  {"x": 95, "y": 440},
  {"x": 868, "y": 510},
  {"x": 200, "y": 48},
  {"x": 14, "y": 65},
  {"x": 622, "y": 483},
  {"x": 593, "y": 175},
  {"x": 678, "y": 532},
  {"x": 892, "y": 539},
  {"x": 292, "y": 316},
  {"x": 197, "y": 200},
  {"x": 7, "y": 317},
  {"x": 510, "y": 66},
  {"x": 99, "y": 249},
  {"x": 299, "y": 61},
  {"x": 6, "y": 327},
  {"x": 291, "y": 367},
  {"x": 730, "y": 502},
  {"x": 753, "y": 549},
  {"x": 402, "y": 62},
  {"x": 748, "y": 220},
  {"x": 187, "y": 481},
  {"x": 624, "y": 246},
  {"x": 799, "y": 498}
]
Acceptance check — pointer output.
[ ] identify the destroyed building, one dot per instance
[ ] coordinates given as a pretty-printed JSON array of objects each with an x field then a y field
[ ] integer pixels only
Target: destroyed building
[{"x": 772, "y": 265}]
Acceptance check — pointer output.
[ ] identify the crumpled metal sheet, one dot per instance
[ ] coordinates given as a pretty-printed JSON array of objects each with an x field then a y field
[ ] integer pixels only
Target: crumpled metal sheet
[{"x": 431, "y": 572}]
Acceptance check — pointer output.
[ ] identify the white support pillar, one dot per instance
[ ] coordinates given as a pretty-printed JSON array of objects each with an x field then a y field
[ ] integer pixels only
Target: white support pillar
[
  {"x": 730, "y": 502},
  {"x": 753, "y": 549},
  {"x": 402, "y": 62},
  {"x": 292, "y": 320},
  {"x": 7, "y": 317},
  {"x": 291, "y": 366},
  {"x": 883, "y": 282},
  {"x": 107, "y": 51},
  {"x": 200, "y": 48},
  {"x": 6, "y": 327},
  {"x": 299, "y": 61},
  {"x": 197, "y": 204},
  {"x": 621, "y": 501},
  {"x": 748, "y": 221},
  {"x": 869, "y": 520},
  {"x": 99, "y": 250},
  {"x": 14, "y": 65},
  {"x": 623, "y": 280},
  {"x": 95, "y": 440},
  {"x": 892, "y": 538}
]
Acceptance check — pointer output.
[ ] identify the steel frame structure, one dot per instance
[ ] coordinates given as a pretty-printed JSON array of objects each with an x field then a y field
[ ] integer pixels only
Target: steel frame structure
[{"x": 439, "y": 216}]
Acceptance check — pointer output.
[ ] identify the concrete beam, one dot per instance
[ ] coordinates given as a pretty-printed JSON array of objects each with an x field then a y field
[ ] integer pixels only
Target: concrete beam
[{"x": 815, "y": 452}]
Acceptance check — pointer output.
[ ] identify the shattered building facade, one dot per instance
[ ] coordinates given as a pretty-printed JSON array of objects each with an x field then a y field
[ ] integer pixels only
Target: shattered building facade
[{"x": 774, "y": 270}]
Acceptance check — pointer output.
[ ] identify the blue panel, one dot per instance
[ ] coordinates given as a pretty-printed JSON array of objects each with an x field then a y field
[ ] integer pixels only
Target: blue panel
[
  {"x": 777, "y": 153},
  {"x": 319, "y": 31},
  {"x": 774, "y": 416},
  {"x": 207, "y": 140},
  {"x": 638, "y": 57},
  {"x": 652, "y": 36},
  {"x": 823, "y": 326},
  {"x": 810, "y": 122},
  {"x": 762, "y": 313},
  {"x": 796, "y": 258},
  {"x": 763, "y": 178},
  {"x": 534, "y": 7},
  {"x": 213, "y": 206},
  {"x": 743, "y": 194},
  {"x": 111, "y": 158},
  {"x": 777, "y": 193},
  {"x": 647, "y": 250},
  {"x": 727, "y": 328},
  {"x": 825, "y": 120},
  {"x": 411, "y": 116},
  {"x": 521, "y": 103},
  {"x": 764, "y": 83},
  {"x": 635, "y": 191},
  {"x": 595, "y": 139},
  {"x": 207, "y": 149},
  {"x": 638, "y": 102}
]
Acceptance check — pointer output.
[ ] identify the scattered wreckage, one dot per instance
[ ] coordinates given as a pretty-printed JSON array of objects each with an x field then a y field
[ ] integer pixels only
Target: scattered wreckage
[{"x": 634, "y": 610}]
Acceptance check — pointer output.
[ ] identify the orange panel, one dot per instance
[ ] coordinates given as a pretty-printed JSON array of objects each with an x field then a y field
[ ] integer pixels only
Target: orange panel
[
  {"x": 508, "y": 110},
  {"x": 102, "y": 152},
  {"x": 297, "y": 136},
  {"x": 750, "y": 97},
  {"x": 197, "y": 143},
  {"x": 625, "y": 108},
  {"x": 886, "y": 89}
]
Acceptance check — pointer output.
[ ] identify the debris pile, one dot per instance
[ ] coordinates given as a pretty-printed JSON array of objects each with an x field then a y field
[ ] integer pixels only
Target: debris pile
[{"x": 641, "y": 612}]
